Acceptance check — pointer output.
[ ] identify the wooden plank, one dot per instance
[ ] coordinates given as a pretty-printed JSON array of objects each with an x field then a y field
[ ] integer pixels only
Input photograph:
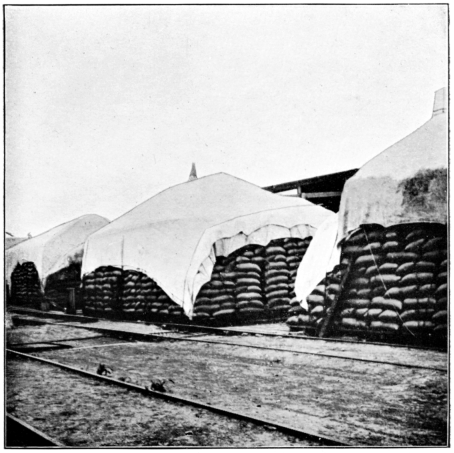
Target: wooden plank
[
  {"x": 314, "y": 195},
  {"x": 71, "y": 305},
  {"x": 328, "y": 323},
  {"x": 310, "y": 195}
]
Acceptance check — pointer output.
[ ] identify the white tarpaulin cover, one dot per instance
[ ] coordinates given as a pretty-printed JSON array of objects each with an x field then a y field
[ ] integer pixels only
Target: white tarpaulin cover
[
  {"x": 321, "y": 257},
  {"x": 174, "y": 236},
  {"x": 406, "y": 183},
  {"x": 51, "y": 251},
  {"x": 12, "y": 241}
]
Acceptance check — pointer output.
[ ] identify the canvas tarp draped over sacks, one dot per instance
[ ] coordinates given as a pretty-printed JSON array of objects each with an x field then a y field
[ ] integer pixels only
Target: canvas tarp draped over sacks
[
  {"x": 321, "y": 257},
  {"x": 174, "y": 236},
  {"x": 12, "y": 241},
  {"x": 406, "y": 183},
  {"x": 52, "y": 250}
]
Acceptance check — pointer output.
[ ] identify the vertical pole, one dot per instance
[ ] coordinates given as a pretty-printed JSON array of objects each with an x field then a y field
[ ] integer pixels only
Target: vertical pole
[{"x": 71, "y": 307}]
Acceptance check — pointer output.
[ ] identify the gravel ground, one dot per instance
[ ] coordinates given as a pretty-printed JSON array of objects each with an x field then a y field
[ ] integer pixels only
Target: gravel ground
[
  {"x": 359, "y": 403},
  {"x": 365, "y": 351},
  {"x": 85, "y": 413},
  {"x": 29, "y": 338},
  {"x": 402, "y": 355}
]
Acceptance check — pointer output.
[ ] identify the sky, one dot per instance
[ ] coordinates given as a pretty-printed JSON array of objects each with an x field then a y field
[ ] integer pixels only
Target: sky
[{"x": 108, "y": 105}]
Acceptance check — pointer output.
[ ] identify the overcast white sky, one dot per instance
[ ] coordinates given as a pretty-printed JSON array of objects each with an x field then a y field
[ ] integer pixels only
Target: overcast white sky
[{"x": 106, "y": 106}]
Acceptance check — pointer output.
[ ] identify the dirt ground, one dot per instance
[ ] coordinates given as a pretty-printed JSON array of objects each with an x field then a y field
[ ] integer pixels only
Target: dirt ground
[
  {"x": 356, "y": 402},
  {"x": 84, "y": 413}
]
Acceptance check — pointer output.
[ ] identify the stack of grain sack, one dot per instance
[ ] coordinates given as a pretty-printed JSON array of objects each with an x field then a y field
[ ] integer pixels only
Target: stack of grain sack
[
  {"x": 253, "y": 283},
  {"x": 398, "y": 282},
  {"x": 126, "y": 294},
  {"x": 101, "y": 291},
  {"x": 392, "y": 229},
  {"x": 248, "y": 286},
  {"x": 396, "y": 285},
  {"x": 319, "y": 301},
  {"x": 25, "y": 286},
  {"x": 51, "y": 260},
  {"x": 177, "y": 236},
  {"x": 235, "y": 288}
]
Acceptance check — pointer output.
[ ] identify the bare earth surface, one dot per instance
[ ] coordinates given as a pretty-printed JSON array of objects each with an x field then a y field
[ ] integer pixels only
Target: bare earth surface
[
  {"x": 84, "y": 413},
  {"x": 356, "y": 402}
]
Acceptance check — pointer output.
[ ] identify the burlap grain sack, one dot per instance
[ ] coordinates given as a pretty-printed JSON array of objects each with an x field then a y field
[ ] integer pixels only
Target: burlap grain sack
[
  {"x": 440, "y": 317},
  {"x": 361, "y": 313},
  {"x": 374, "y": 313},
  {"x": 393, "y": 246},
  {"x": 315, "y": 299},
  {"x": 256, "y": 304},
  {"x": 351, "y": 323},
  {"x": 387, "y": 304},
  {"x": 385, "y": 326},
  {"x": 418, "y": 326},
  {"x": 417, "y": 315}
]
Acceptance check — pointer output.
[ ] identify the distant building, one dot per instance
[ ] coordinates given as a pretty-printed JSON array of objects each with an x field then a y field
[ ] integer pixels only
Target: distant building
[{"x": 324, "y": 190}]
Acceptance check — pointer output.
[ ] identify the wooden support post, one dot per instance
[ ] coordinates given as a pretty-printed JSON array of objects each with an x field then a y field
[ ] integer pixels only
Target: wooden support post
[
  {"x": 71, "y": 307},
  {"x": 298, "y": 191},
  {"x": 332, "y": 310}
]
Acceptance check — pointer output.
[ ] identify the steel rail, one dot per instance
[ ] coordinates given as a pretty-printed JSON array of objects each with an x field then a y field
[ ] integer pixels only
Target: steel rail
[
  {"x": 95, "y": 346},
  {"x": 321, "y": 354},
  {"x": 219, "y": 410},
  {"x": 18, "y": 433},
  {"x": 229, "y": 330},
  {"x": 147, "y": 336},
  {"x": 302, "y": 337},
  {"x": 57, "y": 341}
]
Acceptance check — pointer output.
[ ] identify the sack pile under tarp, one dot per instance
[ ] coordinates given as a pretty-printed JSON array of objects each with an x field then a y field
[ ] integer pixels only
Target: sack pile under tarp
[
  {"x": 110, "y": 292},
  {"x": 397, "y": 283},
  {"x": 25, "y": 286},
  {"x": 399, "y": 280},
  {"x": 318, "y": 302},
  {"x": 55, "y": 249},
  {"x": 175, "y": 236},
  {"x": 254, "y": 282}
]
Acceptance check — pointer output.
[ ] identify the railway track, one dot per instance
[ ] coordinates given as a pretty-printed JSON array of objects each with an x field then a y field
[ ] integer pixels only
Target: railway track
[
  {"x": 286, "y": 429},
  {"x": 112, "y": 337},
  {"x": 226, "y": 330},
  {"x": 168, "y": 336},
  {"x": 21, "y": 434}
]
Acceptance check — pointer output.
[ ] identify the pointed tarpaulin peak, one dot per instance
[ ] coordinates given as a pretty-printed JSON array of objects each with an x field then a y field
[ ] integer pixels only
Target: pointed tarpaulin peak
[
  {"x": 440, "y": 101},
  {"x": 193, "y": 174}
]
